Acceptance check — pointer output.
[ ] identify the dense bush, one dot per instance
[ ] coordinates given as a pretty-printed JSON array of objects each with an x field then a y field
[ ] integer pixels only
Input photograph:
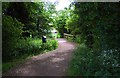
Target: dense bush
[
  {"x": 24, "y": 20},
  {"x": 76, "y": 38},
  {"x": 13, "y": 46},
  {"x": 26, "y": 48},
  {"x": 11, "y": 33},
  {"x": 32, "y": 47},
  {"x": 28, "y": 20},
  {"x": 87, "y": 62},
  {"x": 99, "y": 30}
]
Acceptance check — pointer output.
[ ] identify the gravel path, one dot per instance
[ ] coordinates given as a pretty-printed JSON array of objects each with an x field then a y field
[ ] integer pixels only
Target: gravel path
[{"x": 53, "y": 63}]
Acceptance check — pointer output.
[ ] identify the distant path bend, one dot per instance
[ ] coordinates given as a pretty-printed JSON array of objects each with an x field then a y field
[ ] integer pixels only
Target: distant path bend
[{"x": 53, "y": 63}]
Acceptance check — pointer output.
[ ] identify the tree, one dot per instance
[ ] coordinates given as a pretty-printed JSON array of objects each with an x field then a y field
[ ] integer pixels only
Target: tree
[
  {"x": 11, "y": 34},
  {"x": 98, "y": 25},
  {"x": 21, "y": 20}
]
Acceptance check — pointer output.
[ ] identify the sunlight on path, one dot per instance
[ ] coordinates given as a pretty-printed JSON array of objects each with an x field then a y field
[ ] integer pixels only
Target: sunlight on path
[{"x": 62, "y": 41}]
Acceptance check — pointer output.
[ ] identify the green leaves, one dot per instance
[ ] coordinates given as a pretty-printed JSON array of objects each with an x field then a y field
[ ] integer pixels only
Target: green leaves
[
  {"x": 12, "y": 30},
  {"x": 98, "y": 27}
]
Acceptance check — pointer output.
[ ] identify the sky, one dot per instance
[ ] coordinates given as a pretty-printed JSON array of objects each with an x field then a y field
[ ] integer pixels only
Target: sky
[{"x": 61, "y": 4}]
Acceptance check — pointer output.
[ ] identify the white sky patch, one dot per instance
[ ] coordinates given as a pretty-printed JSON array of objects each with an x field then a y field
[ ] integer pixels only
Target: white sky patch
[
  {"x": 61, "y": 4},
  {"x": 52, "y": 0}
]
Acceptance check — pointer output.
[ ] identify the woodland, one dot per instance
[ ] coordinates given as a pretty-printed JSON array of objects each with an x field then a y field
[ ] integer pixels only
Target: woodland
[{"x": 94, "y": 26}]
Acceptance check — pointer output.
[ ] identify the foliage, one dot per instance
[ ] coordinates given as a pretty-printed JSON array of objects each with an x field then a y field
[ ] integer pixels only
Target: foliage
[
  {"x": 22, "y": 20},
  {"x": 32, "y": 47},
  {"x": 88, "y": 63},
  {"x": 29, "y": 47},
  {"x": 98, "y": 25},
  {"x": 33, "y": 15},
  {"x": 11, "y": 33},
  {"x": 78, "y": 39},
  {"x": 94, "y": 24}
]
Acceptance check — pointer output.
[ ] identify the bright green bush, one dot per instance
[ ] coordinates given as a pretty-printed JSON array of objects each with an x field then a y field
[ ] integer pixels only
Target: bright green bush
[
  {"x": 51, "y": 44},
  {"x": 77, "y": 39},
  {"x": 30, "y": 47},
  {"x": 58, "y": 35},
  {"x": 35, "y": 46}
]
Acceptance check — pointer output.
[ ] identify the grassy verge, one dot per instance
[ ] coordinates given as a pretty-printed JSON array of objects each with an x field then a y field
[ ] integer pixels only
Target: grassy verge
[
  {"x": 26, "y": 49},
  {"x": 79, "y": 61},
  {"x": 88, "y": 63},
  {"x": 77, "y": 39},
  {"x": 8, "y": 65}
]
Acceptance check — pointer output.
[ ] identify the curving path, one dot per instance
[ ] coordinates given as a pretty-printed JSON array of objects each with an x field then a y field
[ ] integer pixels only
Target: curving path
[{"x": 53, "y": 63}]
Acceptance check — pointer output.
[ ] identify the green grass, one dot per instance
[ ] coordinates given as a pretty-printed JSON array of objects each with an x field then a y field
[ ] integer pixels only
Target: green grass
[
  {"x": 77, "y": 39},
  {"x": 26, "y": 49},
  {"x": 8, "y": 65},
  {"x": 86, "y": 62},
  {"x": 79, "y": 61}
]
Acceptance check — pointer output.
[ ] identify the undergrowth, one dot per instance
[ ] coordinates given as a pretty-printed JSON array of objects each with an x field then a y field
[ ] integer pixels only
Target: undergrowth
[
  {"x": 88, "y": 63},
  {"x": 26, "y": 49}
]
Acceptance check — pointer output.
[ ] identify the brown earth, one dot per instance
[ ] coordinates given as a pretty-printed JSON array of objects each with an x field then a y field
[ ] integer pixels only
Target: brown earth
[{"x": 53, "y": 63}]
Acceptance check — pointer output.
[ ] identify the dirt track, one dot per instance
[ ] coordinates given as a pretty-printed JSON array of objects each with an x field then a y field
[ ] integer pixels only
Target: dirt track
[{"x": 53, "y": 63}]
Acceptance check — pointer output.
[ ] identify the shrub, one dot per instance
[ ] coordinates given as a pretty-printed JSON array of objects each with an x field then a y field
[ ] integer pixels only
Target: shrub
[
  {"x": 34, "y": 46},
  {"x": 26, "y": 48},
  {"x": 78, "y": 39},
  {"x": 11, "y": 33},
  {"x": 79, "y": 64},
  {"x": 86, "y": 62}
]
